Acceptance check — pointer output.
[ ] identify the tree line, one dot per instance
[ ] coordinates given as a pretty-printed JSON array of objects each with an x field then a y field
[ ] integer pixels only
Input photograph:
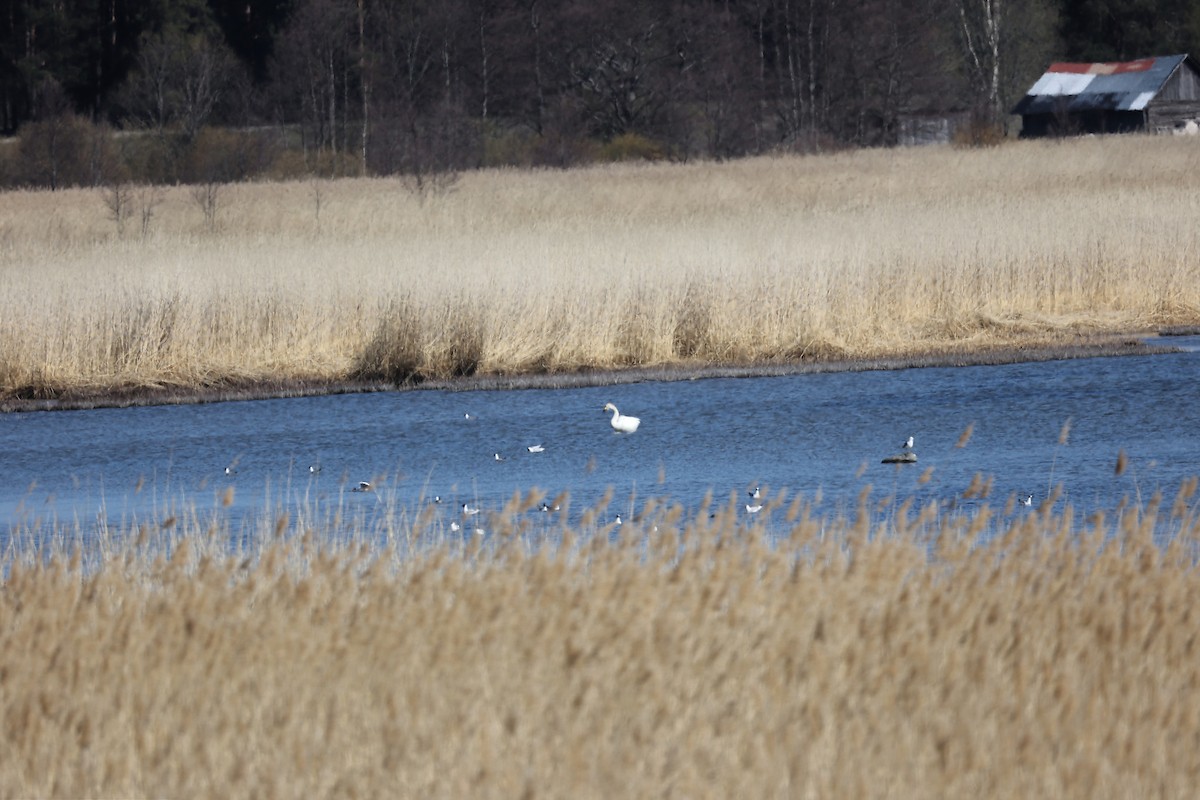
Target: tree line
[{"x": 219, "y": 89}]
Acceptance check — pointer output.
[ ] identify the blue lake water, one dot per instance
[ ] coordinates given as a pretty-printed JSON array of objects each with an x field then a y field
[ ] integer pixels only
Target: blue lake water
[{"x": 821, "y": 435}]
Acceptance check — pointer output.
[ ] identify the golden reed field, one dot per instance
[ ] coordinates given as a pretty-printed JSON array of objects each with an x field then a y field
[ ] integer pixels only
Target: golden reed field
[
  {"x": 780, "y": 259},
  {"x": 895, "y": 653}
]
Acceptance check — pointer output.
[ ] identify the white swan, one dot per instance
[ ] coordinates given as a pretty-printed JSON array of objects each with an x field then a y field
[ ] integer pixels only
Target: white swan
[{"x": 620, "y": 422}]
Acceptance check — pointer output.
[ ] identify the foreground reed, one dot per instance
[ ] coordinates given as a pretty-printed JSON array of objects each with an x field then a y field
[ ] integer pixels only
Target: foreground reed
[
  {"x": 780, "y": 259},
  {"x": 917, "y": 655}
]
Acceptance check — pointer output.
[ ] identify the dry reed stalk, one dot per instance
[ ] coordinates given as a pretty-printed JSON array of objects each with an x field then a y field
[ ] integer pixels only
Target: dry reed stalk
[
  {"x": 850, "y": 255},
  {"x": 700, "y": 660}
]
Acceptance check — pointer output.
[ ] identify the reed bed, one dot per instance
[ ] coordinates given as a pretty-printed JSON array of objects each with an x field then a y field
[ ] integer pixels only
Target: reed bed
[
  {"x": 903, "y": 654},
  {"x": 777, "y": 259}
]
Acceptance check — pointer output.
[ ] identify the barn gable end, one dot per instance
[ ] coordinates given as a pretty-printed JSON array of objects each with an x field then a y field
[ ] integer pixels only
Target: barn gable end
[{"x": 1178, "y": 101}]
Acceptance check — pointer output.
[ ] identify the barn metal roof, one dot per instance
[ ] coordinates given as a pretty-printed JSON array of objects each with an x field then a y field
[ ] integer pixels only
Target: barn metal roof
[{"x": 1120, "y": 86}]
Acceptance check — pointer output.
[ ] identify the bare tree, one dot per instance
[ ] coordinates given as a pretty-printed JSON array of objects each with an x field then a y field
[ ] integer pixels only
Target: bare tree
[
  {"x": 898, "y": 45},
  {"x": 179, "y": 81},
  {"x": 149, "y": 91},
  {"x": 535, "y": 17},
  {"x": 316, "y": 190},
  {"x": 314, "y": 56},
  {"x": 147, "y": 200},
  {"x": 709, "y": 74},
  {"x": 48, "y": 144},
  {"x": 434, "y": 151},
  {"x": 983, "y": 29},
  {"x": 118, "y": 199},
  {"x": 205, "y": 72},
  {"x": 1002, "y": 41},
  {"x": 365, "y": 91},
  {"x": 207, "y": 197},
  {"x": 615, "y": 76},
  {"x": 424, "y": 184}
]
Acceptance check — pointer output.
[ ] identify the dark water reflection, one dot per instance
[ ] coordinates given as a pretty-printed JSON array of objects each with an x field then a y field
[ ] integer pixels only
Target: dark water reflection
[{"x": 820, "y": 435}]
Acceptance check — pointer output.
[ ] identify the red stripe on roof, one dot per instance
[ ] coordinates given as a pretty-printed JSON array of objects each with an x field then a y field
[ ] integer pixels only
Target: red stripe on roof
[
  {"x": 1065, "y": 67},
  {"x": 1103, "y": 68}
]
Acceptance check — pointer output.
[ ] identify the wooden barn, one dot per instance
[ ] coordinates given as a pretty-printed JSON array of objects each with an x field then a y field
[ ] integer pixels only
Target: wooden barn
[{"x": 1159, "y": 94}]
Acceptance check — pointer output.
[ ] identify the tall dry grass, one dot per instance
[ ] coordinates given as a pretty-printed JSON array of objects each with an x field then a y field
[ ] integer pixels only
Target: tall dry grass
[
  {"x": 913, "y": 656},
  {"x": 849, "y": 255}
]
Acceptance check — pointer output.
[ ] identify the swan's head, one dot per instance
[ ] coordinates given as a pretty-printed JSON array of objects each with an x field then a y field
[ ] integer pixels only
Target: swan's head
[{"x": 609, "y": 407}]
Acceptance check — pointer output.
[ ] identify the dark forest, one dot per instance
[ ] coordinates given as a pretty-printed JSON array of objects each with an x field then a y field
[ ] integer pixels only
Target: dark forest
[{"x": 103, "y": 90}]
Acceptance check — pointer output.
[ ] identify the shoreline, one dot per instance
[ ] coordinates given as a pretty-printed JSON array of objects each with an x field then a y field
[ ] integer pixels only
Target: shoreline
[{"x": 1095, "y": 346}]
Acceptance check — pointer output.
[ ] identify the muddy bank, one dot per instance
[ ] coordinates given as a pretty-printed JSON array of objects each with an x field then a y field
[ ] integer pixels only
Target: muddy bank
[{"x": 126, "y": 396}]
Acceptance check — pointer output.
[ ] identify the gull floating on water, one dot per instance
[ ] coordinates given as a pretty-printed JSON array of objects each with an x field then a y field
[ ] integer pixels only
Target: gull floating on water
[
  {"x": 1028, "y": 501},
  {"x": 468, "y": 416},
  {"x": 363, "y": 486},
  {"x": 536, "y": 448},
  {"x": 908, "y": 443},
  {"x": 756, "y": 493},
  {"x": 468, "y": 511},
  {"x": 313, "y": 469},
  {"x": 454, "y": 526},
  {"x": 498, "y": 457},
  {"x": 618, "y": 522},
  {"x": 230, "y": 471},
  {"x": 620, "y": 422}
]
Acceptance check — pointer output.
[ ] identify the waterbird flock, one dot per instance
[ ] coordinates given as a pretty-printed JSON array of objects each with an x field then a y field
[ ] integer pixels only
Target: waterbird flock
[{"x": 620, "y": 423}]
